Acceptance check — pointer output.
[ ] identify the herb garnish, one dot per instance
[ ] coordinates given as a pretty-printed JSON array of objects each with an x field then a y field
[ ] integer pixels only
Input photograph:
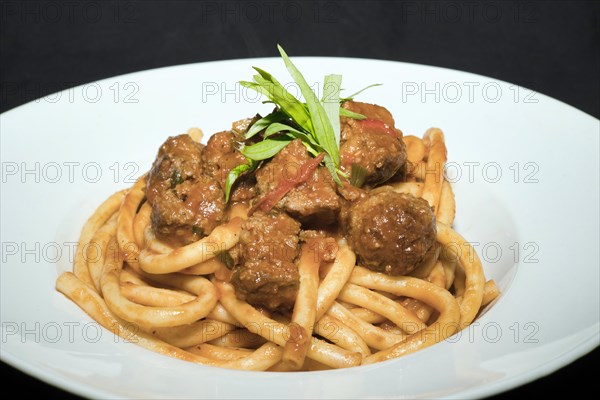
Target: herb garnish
[{"x": 316, "y": 123}]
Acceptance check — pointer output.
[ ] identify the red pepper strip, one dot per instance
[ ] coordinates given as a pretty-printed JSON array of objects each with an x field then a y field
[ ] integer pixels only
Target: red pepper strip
[
  {"x": 285, "y": 185},
  {"x": 377, "y": 125}
]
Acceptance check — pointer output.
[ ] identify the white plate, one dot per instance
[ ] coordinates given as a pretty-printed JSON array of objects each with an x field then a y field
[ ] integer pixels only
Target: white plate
[{"x": 526, "y": 171}]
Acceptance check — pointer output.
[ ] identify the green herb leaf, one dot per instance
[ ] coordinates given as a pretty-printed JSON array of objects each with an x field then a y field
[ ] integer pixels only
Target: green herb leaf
[
  {"x": 226, "y": 259},
  {"x": 322, "y": 129},
  {"x": 350, "y": 114},
  {"x": 279, "y": 127},
  {"x": 331, "y": 103},
  {"x": 288, "y": 104},
  {"x": 264, "y": 122},
  {"x": 256, "y": 87},
  {"x": 358, "y": 174},
  {"x": 176, "y": 178},
  {"x": 266, "y": 148},
  {"x": 235, "y": 173},
  {"x": 332, "y": 169},
  {"x": 309, "y": 142},
  {"x": 353, "y": 95}
]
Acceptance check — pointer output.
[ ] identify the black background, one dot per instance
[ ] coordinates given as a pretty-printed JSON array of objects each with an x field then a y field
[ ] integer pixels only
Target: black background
[{"x": 551, "y": 47}]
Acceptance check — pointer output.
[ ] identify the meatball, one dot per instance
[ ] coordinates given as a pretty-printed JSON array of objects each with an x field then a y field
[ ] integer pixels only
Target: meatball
[
  {"x": 179, "y": 159},
  {"x": 266, "y": 274},
  {"x": 186, "y": 203},
  {"x": 373, "y": 143},
  {"x": 188, "y": 212},
  {"x": 390, "y": 232},
  {"x": 314, "y": 202}
]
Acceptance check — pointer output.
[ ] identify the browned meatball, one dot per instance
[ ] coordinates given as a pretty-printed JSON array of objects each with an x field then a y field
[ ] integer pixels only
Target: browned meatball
[
  {"x": 188, "y": 212},
  {"x": 390, "y": 232},
  {"x": 313, "y": 202},
  {"x": 186, "y": 204},
  {"x": 179, "y": 159},
  {"x": 267, "y": 275},
  {"x": 373, "y": 143}
]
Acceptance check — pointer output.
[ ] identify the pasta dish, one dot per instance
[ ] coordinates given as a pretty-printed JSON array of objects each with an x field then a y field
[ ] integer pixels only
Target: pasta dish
[{"x": 318, "y": 236}]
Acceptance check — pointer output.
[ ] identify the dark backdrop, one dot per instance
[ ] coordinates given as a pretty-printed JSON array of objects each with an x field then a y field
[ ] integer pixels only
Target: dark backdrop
[{"x": 551, "y": 47}]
